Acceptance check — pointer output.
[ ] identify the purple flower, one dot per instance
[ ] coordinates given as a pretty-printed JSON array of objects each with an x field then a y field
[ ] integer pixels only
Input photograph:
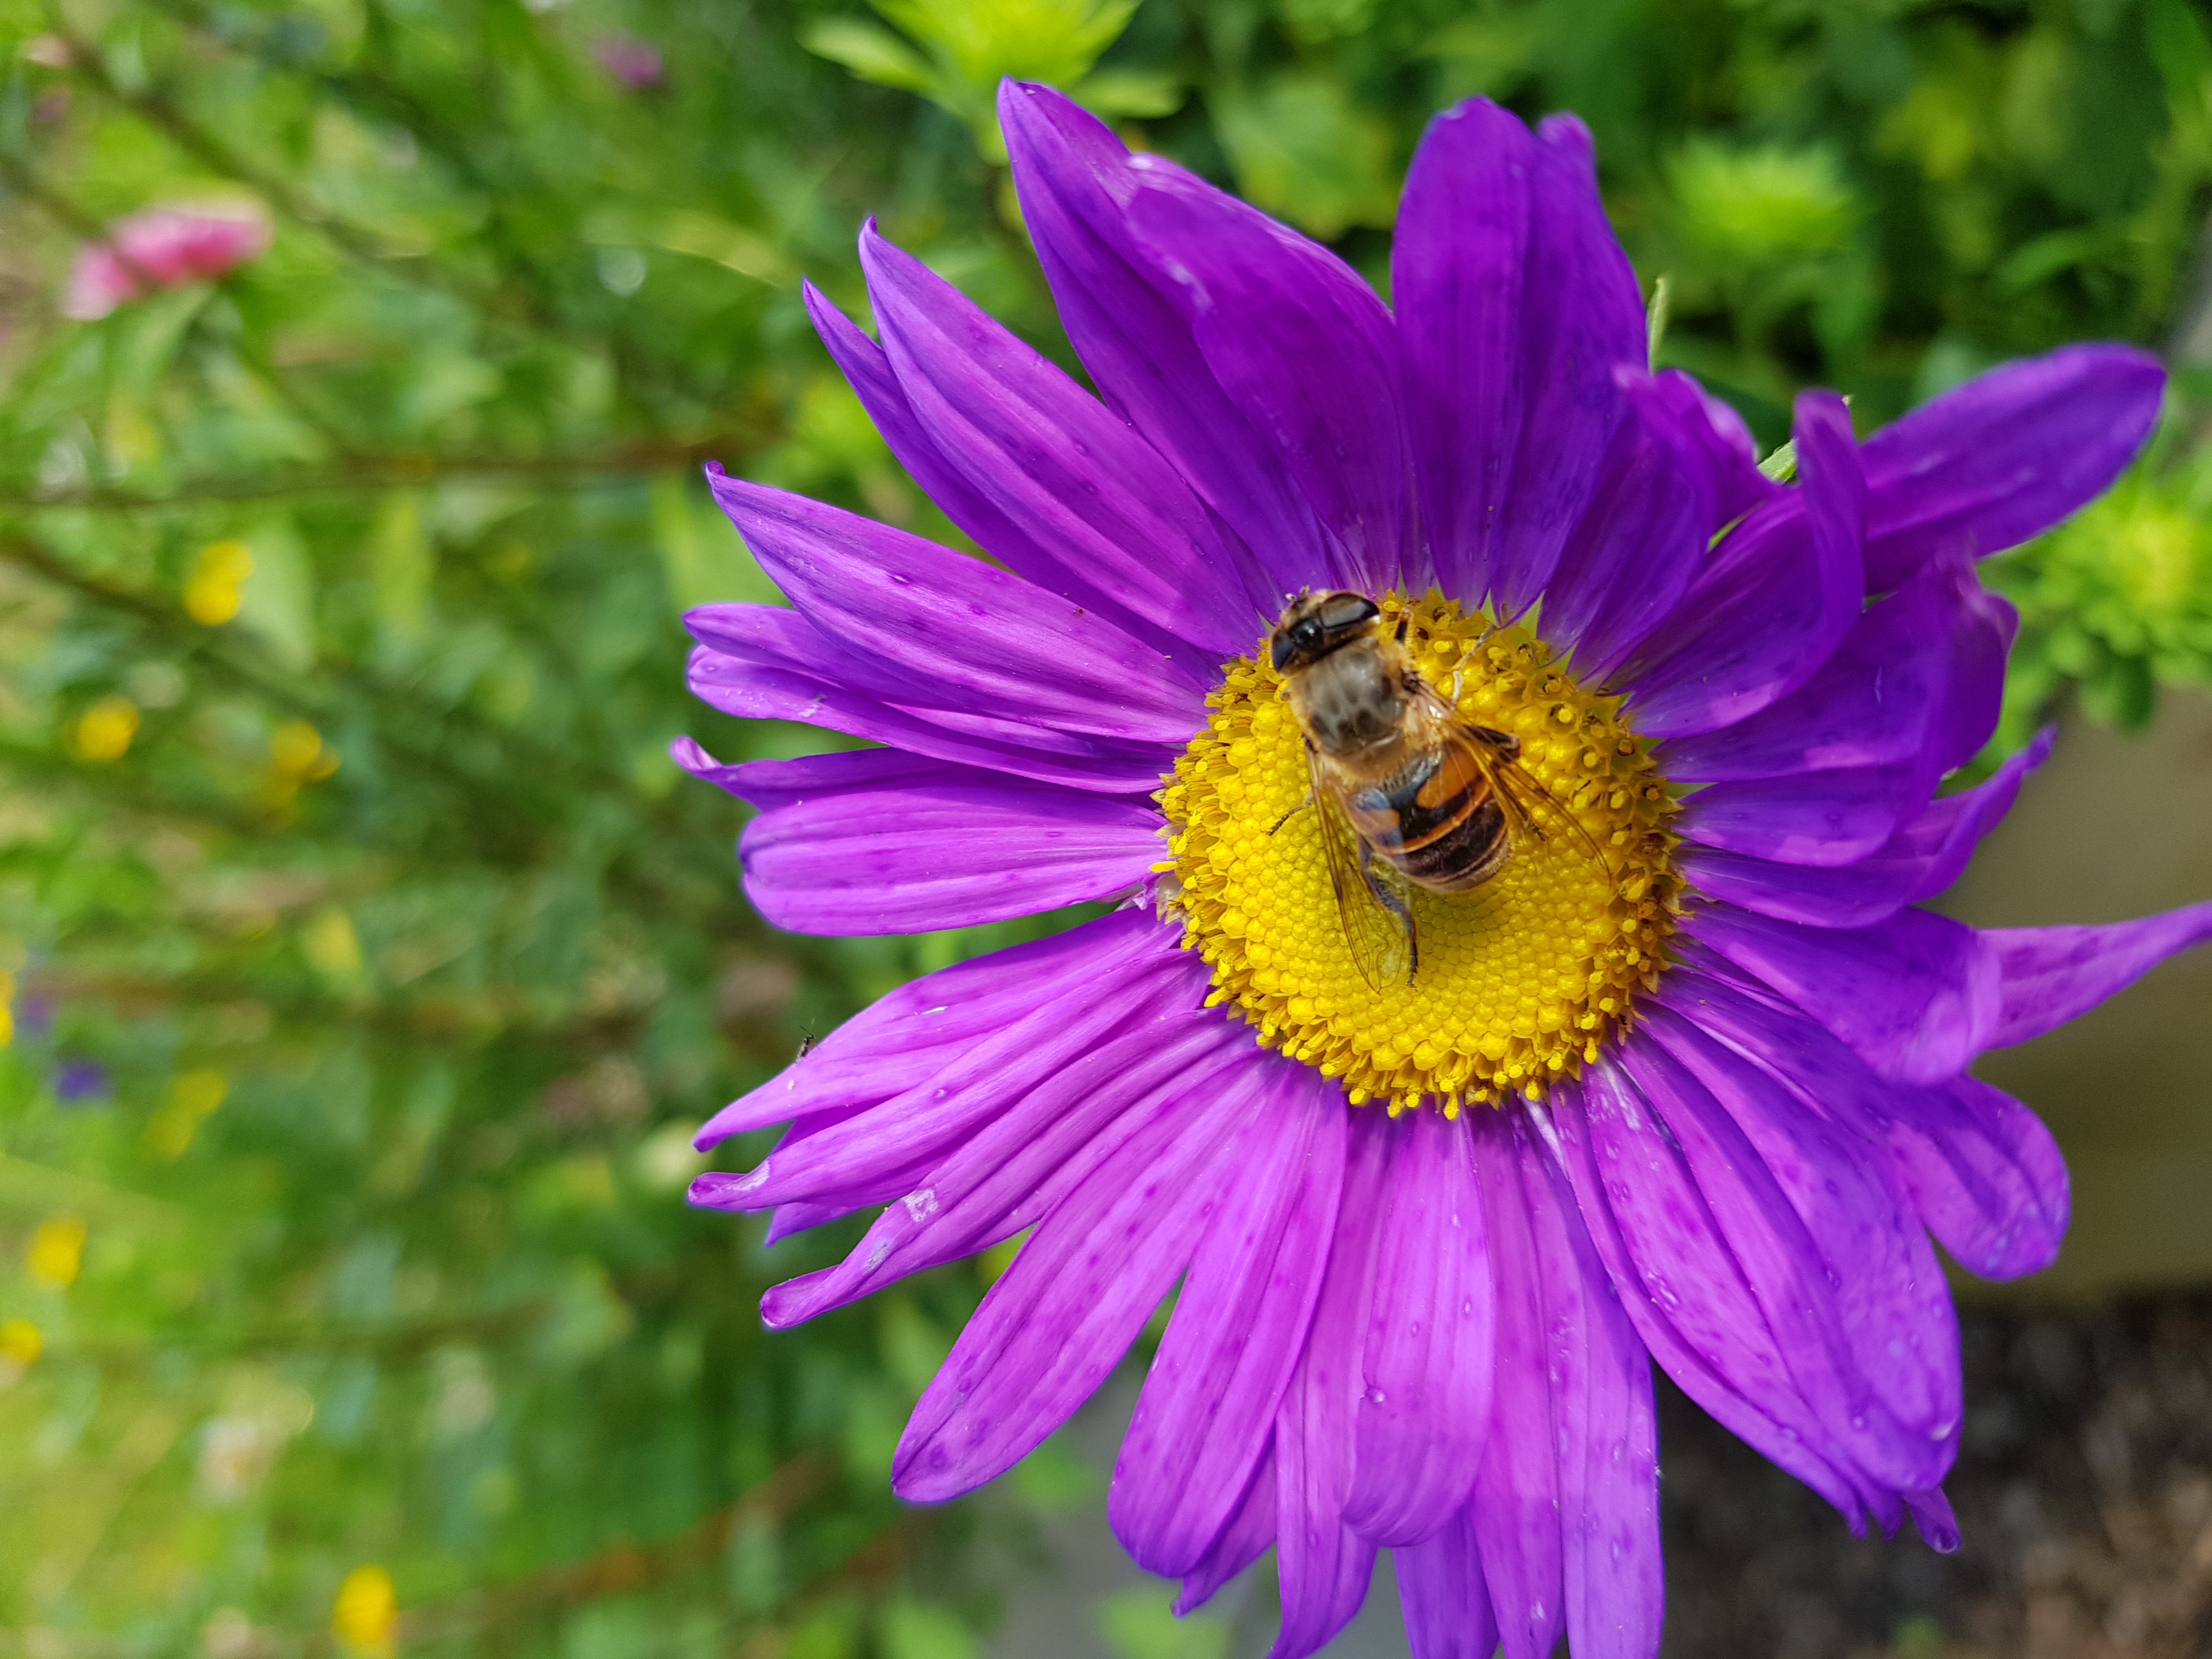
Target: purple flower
[
  {"x": 636, "y": 63},
  {"x": 1685, "y": 1081},
  {"x": 79, "y": 1081},
  {"x": 162, "y": 247}
]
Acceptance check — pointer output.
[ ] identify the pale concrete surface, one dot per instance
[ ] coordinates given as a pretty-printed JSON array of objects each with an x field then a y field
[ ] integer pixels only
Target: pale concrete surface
[{"x": 2117, "y": 826}]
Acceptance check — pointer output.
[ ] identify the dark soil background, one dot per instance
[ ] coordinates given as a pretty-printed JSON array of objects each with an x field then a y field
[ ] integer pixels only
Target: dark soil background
[{"x": 2083, "y": 1487}]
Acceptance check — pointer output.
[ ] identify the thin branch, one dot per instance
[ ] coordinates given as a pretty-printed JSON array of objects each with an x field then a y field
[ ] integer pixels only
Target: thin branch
[
  {"x": 363, "y": 474},
  {"x": 625, "y": 1568},
  {"x": 396, "y": 1341},
  {"x": 530, "y": 306},
  {"x": 532, "y": 795}
]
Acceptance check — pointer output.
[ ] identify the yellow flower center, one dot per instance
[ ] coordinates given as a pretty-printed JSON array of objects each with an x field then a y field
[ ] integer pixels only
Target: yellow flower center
[{"x": 1521, "y": 979}]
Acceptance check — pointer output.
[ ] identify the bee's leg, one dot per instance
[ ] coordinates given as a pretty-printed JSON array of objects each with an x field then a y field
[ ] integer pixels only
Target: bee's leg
[
  {"x": 1294, "y": 812},
  {"x": 1459, "y": 684},
  {"x": 1394, "y": 902}
]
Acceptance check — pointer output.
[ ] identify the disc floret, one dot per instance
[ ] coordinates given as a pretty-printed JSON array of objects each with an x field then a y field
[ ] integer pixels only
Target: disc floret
[{"x": 1520, "y": 980}]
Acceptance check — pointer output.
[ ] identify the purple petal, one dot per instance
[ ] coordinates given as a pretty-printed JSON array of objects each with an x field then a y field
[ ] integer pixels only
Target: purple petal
[
  {"x": 1931, "y": 1514},
  {"x": 1098, "y": 499},
  {"x": 1679, "y": 1285},
  {"x": 1060, "y": 1319},
  {"x": 1001, "y": 529},
  {"x": 1247, "y": 1537},
  {"x": 1457, "y": 264},
  {"x": 1305, "y": 351},
  {"x": 1514, "y": 305},
  {"x": 879, "y": 842},
  {"x": 1727, "y": 459},
  {"x": 763, "y": 670},
  {"x": 920, "y": 623},
  {"x": 2004, "y": 457},
  {"x": 1017, "y": 1167},
  {"x": 1782, "y": 591},
  {"x": 1075, "y": 182},
  {"x": 1425, "y": 1403},
  {"x": 1514, "y": 1507},
  {"x": 860, "y": 1152},
  {"x": 1920, "y": 860},
  {"x": 1975, "y": 698},
  {"x": 1877, "y": 701},
  {"x": 1640, "y": 542},
  {"x": 1323, "y": 1566},
  {"x": 1208, "y": 1407},
  {"x": 1916, "y": 995},
  {"x": 1985, "y": 1175},
  {"x": 1581, "y": 322},
  {"x": 1444, "y": 1597},
  {"x": 1858, "y": 1262},
  {"x": 788, "y": 1219},
  {"x": 1749, "y": 1230},
  {"x": 1603, "y": 1424},
  {"x": 2052, "y": 975},
  {"x": 1819, "y": 819},
  {"x": 912, "y": 1033}
]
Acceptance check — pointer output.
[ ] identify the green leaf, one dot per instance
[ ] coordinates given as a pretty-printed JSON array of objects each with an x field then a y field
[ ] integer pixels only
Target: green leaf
[
  {"x": 277, "y": 602},
  {"x": 1143, "y": 93},
  {"x": 1141, "y": 1623},
  {"x": 1761, "y": 205},
  {"x": 701, "y": 555},
  {"x": 1303, "y": 150},
  {"x": 872, "y": 53},
  {"x": 400, "y": 567},
  {"x": 914, "y": 1629}
]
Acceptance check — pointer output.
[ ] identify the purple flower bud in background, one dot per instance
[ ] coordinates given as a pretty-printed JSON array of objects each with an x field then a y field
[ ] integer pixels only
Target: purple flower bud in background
[
  {"x": 80, "y": 1081},
  {"x": 636, "y": 63},
  {"x": 162, "y": 247}
]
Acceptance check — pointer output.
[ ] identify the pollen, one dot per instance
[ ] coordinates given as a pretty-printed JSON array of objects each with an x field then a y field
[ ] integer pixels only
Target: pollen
[{"x": 1520, "y": 982}]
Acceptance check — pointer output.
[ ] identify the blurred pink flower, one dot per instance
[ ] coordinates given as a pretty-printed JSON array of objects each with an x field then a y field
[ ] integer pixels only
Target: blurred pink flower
[
  {"x": 636, "y": 63},
  {"x": 162, "y": 247}
]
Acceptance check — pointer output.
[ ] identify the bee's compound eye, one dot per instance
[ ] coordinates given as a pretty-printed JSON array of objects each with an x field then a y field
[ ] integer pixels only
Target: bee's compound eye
[{"x": 1342, "y": 611}]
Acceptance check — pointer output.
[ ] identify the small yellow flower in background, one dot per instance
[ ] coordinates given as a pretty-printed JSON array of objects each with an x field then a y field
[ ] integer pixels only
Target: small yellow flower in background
[
  {"x": 331, "y": 945},
  {"x": 199, "y": 1091},
  {"x": 56, "y": 1252},
  {"x": 21, "y": 1341},
  {"x": 192, "y": 1097},
  {"x": 217, "y": 584},
  {"x": 297, "y": 751},
  {"x": 366, "y": 1611},
  {"x": 6, "y": 1007},
  {"x": 297, "y": 757},
  {"x": 104, "y": 730}
]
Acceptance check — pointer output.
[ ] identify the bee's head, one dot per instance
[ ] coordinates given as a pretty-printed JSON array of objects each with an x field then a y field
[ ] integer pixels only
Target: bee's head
[{"x": 1316, "y": 624}]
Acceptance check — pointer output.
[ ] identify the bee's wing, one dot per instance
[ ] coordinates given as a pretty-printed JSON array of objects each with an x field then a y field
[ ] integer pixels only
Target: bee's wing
[
  {"x": 1372, "y": 900},
  {"x": 1532, "y": 810},
  {"x": 1529, "y": 806}
]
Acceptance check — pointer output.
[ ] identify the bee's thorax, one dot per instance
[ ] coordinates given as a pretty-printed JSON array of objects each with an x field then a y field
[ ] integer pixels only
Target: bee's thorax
[{"x": 1351, "y": 704}]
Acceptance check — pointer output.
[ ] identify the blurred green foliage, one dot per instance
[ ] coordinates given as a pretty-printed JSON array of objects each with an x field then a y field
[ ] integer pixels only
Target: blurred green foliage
[{"x": 369, "y": 961}]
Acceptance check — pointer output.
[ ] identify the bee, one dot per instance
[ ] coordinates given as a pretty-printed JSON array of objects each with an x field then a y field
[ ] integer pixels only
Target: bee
[{"x": 1409, "y": 794}]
